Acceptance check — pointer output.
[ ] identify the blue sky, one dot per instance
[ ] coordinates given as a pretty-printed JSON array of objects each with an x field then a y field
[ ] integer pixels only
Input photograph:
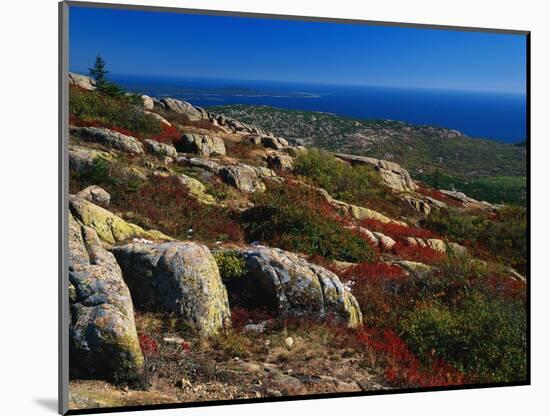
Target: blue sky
[{"x": 170, "y": 44}]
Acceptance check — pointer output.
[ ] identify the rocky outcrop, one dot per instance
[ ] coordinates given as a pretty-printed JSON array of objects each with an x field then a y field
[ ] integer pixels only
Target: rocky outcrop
[
  {"x": 148, "y": 102},
  {"x": 280, "y": 161},
  {"x": 438, "y": 245},
  {"x": 109, "y": 138},
  {"x": 110, "y": 228},
  {"x": 103, "y": 338},
  {"x": 95, "y": 194},
  {"x": 181, "y": 107},
  {"x": 160, "y": 149},
  {"x": 414, "y": 267},
  {"x": 81, "y": 159},
  {"x": 196, "y": 189},
  {"x": 392, "y": 174},
  {"x": 377, "y": 239},
  {"x": 276, "y": 143},
  {"x": 362, "y": 213},
  {"x": 456, "y": 249},
  {"x": 424, "y": 205},
  {"x": 203, "y": 145},
  {"x": 291, "y": 286},
  {"x": 384, "y": 241},
  {"x": 159, "y": 118},
  {"x": 177, "y": 277},
  {"x": 197, "y": 162},
  {"x": 357, "y": 212},
  {"x": 243, "y": 177},
  {"x": 466, "y": 200},
  {"x": 81, "y": 81}
]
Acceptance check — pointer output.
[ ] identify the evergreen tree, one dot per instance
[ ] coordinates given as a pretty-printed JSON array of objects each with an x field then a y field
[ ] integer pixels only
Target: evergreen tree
[{"x": 98, "y": 72}]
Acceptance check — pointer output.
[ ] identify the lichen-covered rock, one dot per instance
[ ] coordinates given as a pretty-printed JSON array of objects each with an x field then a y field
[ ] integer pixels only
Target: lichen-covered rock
[
  {"x": 415, "y": 241},
  {"x": 160, "y": 149},
  {"x": 424, "y": 205},
  {"x": 291, "y": 286},
  {"x": 243, "y": 177},
  {"x": 436, "y": 244},
  {"x": 196, "y": 188},
  {"x": 81, "y": 81},
  {"x": 148, "y": 102},
  {"x": 414, "y": 267},
  {"x": 280, "y": 161},
  {"x": 197, "y": 162},
  {"x": 181, "y": 107},
  {"x": 103, "y": 337},
  {"x": 81, "y": 159},
  {"x": 433, "y": 243},
  {"x": 94, "y": 193},
  {"x": 361, "y": 213},
  {"x": 456, "y": 249},
  {"x": 177, "y": 277},
  {"x": 203, "y": 145},
  {"x": 385, "y": 242},
  {"x": 109, "y": 227},
  {"x": 277, "y": 143},
  {"x": 418, "y": 204},
  {"x": 468, "y": 201},
  {"x": 109, "y": 138},
  {"x": 376, "y": 238},
  {"x": 369, "y": 235}
]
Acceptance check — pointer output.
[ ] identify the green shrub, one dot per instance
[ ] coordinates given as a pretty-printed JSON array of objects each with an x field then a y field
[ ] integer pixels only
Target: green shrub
[
  {"x": 297, "y": 219},
  {"x": 495, "y": 189},
  {"x": 503, "y": 235},
  {"x": 98, "y": 173},
  {"x": 96, "y": 109},
  {"x": 359, "y": 185},
  {"x": 484, "y": 337},
  {"x": 230, "y": 264}
]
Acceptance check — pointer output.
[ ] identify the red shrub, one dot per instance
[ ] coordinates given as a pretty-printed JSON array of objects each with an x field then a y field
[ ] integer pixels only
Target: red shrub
[
  {"x": 416, "y": 253},
  {"x": 186, "y": 346},
  {"x": 75, "y": 121},
  {"x": 167, "y": 204},
  {"x": 506, "y": 287},
  {"x": 169, "y": 134},
  {"x": 380, "y": 290},
  {"x": 396, "y": 231},
  {"x": 403, "y": 368},
  {"x": 149, "y": 346},
  {"x": 435, "y": 194}
]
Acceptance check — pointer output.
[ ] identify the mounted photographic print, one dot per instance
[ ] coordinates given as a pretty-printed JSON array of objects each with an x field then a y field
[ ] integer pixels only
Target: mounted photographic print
[{"x": 264, "y": 207}]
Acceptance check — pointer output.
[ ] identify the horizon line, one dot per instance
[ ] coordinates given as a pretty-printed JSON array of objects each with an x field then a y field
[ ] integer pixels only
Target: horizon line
[{"x": 118, "y": 74}]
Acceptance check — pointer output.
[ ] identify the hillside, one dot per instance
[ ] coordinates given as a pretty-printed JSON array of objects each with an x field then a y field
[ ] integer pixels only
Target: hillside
[
  {"x": 213, "y": 259},
  {"x": 426, "y": 151}
]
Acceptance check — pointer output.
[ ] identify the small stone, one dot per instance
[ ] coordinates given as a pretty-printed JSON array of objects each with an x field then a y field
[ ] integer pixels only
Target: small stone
[
  {"x": 184, "y": 383},
  {"x": 289, "y": 342},
  {"x": 273, "y": 393},
  {"x": 173, "y": 340}
]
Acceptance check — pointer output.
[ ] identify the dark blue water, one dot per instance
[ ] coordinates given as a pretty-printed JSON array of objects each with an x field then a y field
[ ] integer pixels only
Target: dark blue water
[{"x": 497, "y": 116}]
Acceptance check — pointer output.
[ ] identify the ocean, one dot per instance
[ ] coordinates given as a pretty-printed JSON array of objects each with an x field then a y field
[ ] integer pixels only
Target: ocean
[{"x": 491, "y": 115}]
